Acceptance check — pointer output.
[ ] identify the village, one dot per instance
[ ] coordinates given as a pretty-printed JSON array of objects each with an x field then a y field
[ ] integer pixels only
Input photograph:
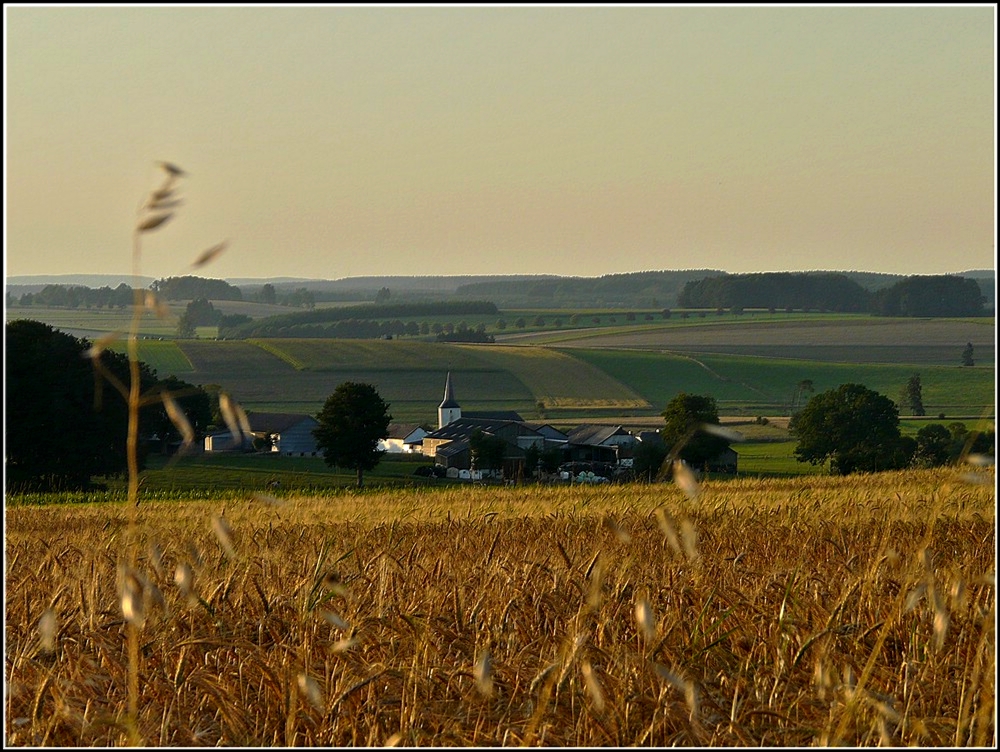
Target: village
[{"x": 518, "y": 449}]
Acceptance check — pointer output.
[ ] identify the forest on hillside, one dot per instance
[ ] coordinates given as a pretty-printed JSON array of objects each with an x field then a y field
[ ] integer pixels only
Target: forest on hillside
[{"x": 967, "y": 294}]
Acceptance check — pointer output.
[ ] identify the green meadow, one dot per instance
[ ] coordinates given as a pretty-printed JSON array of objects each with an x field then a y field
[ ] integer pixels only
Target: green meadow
[{"x": 768, "y": 386}]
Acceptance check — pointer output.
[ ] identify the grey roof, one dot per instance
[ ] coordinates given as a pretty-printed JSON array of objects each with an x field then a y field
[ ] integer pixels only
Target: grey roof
[
  {"x": 453, "y": 448},
  {"x": 548, "y": 431},
  {"x": 402, "y": 430},
  {"x": 276, "y": 422},
  {"x": 465, "y": 427},
  {"x": 589, "y": 435},
  {"x": 653, "y": 437},
  {"x": 510, "y": 415},
  {"x": 449, "y": 394}
]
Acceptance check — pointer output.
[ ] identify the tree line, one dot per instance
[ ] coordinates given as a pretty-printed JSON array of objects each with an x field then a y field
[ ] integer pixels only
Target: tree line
[
  {"x": 941, "y": 295},
  {"x": 649, "y": 288},
  {"x": 77, "y": 296},
  {"x": 302, "y": 323},
  {"x": 172, "y": 288}
]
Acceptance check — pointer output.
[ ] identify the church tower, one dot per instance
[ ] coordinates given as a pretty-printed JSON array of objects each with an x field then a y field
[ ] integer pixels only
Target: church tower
[{"x": 448, "y": 410}]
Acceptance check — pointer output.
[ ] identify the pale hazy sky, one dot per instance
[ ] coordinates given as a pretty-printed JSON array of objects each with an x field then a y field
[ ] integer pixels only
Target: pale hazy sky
[{"x": 344, "y": 141}]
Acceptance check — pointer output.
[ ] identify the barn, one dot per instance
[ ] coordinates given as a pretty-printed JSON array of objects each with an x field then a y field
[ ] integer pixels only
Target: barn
[{"x": 289, "y": 434}]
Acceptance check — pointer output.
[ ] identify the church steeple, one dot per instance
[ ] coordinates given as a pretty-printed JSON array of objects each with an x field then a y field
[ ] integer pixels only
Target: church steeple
[{"x": 449, "y": 409}]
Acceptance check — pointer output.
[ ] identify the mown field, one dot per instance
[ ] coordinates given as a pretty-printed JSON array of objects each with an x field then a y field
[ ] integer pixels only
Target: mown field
[{"x": 807, "y": 612}]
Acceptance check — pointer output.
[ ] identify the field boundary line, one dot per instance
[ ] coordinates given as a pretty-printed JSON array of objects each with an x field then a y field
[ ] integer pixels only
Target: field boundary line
[{"x": 267, "y": 347}]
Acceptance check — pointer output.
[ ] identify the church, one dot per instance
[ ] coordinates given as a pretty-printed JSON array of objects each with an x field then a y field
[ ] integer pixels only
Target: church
[{"x": 449, "y": 445}]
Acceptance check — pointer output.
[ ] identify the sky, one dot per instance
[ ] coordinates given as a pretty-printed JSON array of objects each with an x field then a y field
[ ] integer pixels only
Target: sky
[{"x": 336, "y": 141}]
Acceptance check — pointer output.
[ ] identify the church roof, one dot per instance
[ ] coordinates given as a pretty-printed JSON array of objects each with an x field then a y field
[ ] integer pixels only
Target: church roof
[{"x": 449, "y": 395}]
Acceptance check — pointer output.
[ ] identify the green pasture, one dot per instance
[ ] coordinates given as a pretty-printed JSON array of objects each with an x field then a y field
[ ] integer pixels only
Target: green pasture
[
  {"x": 767, "y": 386},
  {"x": 773, "y": 459},
  {"x": 164, "y": 356},
  {"x": 949, "y": 389},
  {"x": 95, "y": 322},
  {"x": 250, "y": 473},
  {"x": 267, "y": 473}
]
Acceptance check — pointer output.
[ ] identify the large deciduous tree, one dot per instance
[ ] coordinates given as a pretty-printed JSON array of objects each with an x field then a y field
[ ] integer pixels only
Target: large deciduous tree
[
  {"x": 63, "y": 423},
  {"x": 912, "y": 395},
  {"x": 853, "y": 427},
  {"x": 684, "y": 421},
  {"x": 352, "y": 422},
  {"x": 647, "y": 460},
  {"x": 933, "y": 446},
  {"x": 487, "y": 452}
]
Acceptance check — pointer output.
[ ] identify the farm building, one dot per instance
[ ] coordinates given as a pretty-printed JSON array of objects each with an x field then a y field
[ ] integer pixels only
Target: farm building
[
  {"x": 405, "y": 438},
  {"x": 590, "y": 443},
  {"x": 607, "y": 449},
  {"x": 450, "y": 445},
  {"x": 288, "y": 434},
  {"x": 724, "y": 462}
]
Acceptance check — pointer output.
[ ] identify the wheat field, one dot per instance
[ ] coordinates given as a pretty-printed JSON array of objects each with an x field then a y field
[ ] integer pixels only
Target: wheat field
[{"x": 818, "y": 611}]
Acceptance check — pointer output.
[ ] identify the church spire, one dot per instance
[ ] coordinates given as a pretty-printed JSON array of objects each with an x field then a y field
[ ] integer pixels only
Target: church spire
[{"x": 449, "y": 409}]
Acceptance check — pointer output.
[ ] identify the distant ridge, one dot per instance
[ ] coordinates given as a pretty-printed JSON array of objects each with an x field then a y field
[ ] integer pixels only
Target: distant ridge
[
  {"x": 619, "y": 290},
  {"x": 426, "y": 282},
  {"x": 83, "y": 280}
]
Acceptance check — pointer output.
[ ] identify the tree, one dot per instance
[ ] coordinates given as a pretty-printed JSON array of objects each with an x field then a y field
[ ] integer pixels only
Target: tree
[
  {"x": 805, "y": 386},
  {"x": 487, "y": 451},
  {"x": 547, "y": 460},
  {"x": 967, "y": 353},
  {"x": 933, "y": 446},
  {"x": 965, "y": 442},
  {"x": 300, "y": 298},
  {"x": 186, "y": 326},
  {"x": 268, "y": 294},
  {"x": 853, "y": 427},
  {"x": 202, "y": 312},
  {"x": 62, "y": 425},
  {"x": 194, "y": 401},
  {"x": 930, "y": 295},
  {"x": 647, "y": 459},
  {"x": 912, "y": 395},
  {"x": 352, "y": 422},
  {"x": 684, "y": 417}
]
